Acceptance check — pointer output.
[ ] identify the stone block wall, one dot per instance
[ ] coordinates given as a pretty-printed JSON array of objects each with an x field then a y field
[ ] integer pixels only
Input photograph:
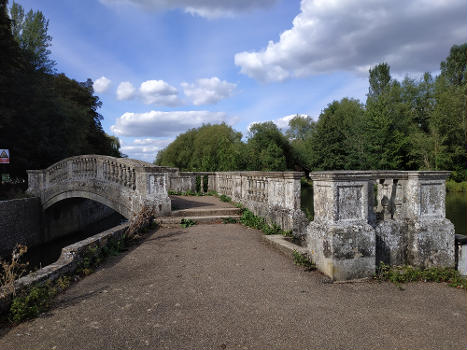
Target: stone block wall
[{"x": 20, "y": 222}]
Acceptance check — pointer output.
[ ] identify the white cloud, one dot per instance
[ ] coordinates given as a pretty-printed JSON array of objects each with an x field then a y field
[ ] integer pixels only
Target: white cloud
[
  {"x": 101, "y": 85},
  {"x": 203, "y": 8},
  {"x": 282, "y": 123},
  {"x": 208, "y": 90},
  {"x": 145, "y": 149},
  {"x": 159, "y": 92},
  {"x": 125, "y": 91},
  {"x": 162, "y": 124},
  {"x": 353, "y": 35}
]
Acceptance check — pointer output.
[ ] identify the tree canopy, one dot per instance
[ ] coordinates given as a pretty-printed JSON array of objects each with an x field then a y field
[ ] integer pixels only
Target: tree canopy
[
  {"x": 45, "y": 116},
  {"x": 406, "y": 125}
]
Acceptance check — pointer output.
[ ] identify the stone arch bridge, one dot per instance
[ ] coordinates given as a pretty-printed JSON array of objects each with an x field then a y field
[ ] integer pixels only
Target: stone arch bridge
[{"x": 122, "y": 184}]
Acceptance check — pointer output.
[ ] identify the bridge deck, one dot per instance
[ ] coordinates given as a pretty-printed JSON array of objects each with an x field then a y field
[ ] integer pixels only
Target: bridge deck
[{"x": 221, "y": 286}]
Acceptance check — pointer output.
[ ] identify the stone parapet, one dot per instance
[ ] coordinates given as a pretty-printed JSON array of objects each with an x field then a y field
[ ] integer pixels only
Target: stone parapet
[
  {"x": 123, "y": 184},
  {"x": 356, "y": 228}
]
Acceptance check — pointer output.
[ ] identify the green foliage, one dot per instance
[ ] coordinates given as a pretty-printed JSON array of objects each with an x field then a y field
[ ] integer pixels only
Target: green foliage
[
  {"x": 301, "y": 260},
  {"x": 31, "y": 33},
  {"x": 32, "y": 302},
  {"x": 225, "y": 198},
  {"x": 452, "y": 186},
  {"x": 58, "y": 116},
  {"x": 337, "y": 142},
  {"x": 214, "y": 147},
  {"x": 185, "y": 223},
  {"x": 268, "y": 149},
  {"x": 251, "y": 220},
  {"x": 229, "y": 221},
  {"x": 406, "y": 273}
]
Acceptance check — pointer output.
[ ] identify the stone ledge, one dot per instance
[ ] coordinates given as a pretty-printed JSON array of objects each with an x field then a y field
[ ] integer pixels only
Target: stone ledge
[
  {"x": 68, "y": 261},
  {"x": 283, "y": 245}
]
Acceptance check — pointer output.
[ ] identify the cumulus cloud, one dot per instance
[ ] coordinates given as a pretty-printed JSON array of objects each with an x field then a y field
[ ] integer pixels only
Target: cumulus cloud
[
  {"x": 208, "y": 90},
  {"x": 125, "y": 91},
  {"x": 163, "y": 124},
  {"x": 203, "y": 8},
  {"x": 144, "y": 149},
  {"x": 353, "y": 35},
  {"x": 159, "y": 92},
  {"x": 101, "y": 85},
  {"x": 282, "y": 123}
]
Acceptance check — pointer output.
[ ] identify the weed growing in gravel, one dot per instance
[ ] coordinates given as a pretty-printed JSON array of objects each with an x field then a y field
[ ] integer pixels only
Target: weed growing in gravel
[
  {"x": 301, "y": 260},
  {"x": 229, "y": 221},
  {"x": 187, "y": 223},
  {"x": 406, "y": 273},
  {"x": 225, "y": 198}
]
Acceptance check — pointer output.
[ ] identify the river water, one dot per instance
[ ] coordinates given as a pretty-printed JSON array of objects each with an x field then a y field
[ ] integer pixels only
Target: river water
[{"x": 456, "y": 206}]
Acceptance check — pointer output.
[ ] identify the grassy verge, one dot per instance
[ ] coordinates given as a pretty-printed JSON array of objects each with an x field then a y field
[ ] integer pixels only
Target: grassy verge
[
  {"x": 452, "y": 186},
  {"x": 404, "y": 274}
]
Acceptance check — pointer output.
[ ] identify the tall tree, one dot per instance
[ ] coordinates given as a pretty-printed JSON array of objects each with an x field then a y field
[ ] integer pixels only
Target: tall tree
[{"x": 31, "y": 33}]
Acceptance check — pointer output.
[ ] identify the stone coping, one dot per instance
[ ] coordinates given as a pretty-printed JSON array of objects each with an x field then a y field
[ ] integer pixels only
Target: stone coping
[
  {"x": 127, "y": 161},
  {"x": 364, "y": 175},
  {"x": 461, "y": 239},
  {"x": 68, "y": 261},
  {"x": 273, "y": 174}
]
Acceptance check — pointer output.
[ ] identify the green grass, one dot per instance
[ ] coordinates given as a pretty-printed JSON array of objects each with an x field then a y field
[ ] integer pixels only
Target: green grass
[{"x": 406, "y": 273}]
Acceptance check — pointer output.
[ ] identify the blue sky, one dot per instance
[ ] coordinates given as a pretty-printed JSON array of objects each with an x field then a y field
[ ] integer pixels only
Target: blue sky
[{"x": 162, "y": 67}]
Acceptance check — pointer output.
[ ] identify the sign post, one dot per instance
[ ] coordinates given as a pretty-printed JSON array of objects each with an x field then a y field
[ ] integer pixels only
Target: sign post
[{"x": 4, "y": 159}]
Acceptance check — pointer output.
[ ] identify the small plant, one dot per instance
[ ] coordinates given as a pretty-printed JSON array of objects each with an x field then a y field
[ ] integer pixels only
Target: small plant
[
  {"x": 12, "y": 270},
  {"x": 185, "y": 223},
  {"x": 301, "y": 260},
  {"x": 32, "y": 302},
  {"x": 287, "y": 233},
  {"x": 407, "y": 273},
  {"x": 140, "y": 221},
  {"x": 229, "y": 221},
  {"x": 225, "y": 198},
  {"x": 211, "y": 193}
]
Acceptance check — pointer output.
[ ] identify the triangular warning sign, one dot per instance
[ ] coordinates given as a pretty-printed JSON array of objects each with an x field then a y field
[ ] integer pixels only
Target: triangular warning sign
[{"x": 3, "y": 155}]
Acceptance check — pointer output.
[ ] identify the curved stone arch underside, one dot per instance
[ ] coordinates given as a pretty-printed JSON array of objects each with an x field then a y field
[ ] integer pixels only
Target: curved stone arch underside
[{"x": 117, "y": 206}]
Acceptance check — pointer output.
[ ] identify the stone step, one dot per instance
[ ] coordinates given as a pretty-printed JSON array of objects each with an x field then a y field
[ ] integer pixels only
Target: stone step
[
  {"x": 205, "y": 212},
  {"x": 213, "y": 219}
]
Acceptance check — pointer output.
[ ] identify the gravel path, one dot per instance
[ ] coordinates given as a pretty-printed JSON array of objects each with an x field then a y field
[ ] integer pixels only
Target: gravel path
[{"x": 222, "y": 287}]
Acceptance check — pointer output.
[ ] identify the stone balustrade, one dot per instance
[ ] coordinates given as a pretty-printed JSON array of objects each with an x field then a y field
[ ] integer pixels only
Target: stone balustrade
[
  {"x": 123, "y": 184},
  {"x": 272, "y": 195},
  {"x": 351, "y": 232}
]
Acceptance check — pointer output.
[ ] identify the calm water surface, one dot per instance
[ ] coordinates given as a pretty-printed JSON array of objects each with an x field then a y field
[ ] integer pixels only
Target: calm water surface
[{"x": 456, "y": 206}]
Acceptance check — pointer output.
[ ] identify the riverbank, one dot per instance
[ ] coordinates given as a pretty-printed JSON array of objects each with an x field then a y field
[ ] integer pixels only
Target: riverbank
[{"x": 452, "y": 186}]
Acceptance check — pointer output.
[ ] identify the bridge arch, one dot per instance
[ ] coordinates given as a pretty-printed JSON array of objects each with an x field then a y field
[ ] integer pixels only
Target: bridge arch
[{"x": 125, "y": 185}]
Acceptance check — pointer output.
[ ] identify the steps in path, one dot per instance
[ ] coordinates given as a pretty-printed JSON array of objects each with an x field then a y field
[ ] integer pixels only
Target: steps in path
[{"x": 201, "y": 216}]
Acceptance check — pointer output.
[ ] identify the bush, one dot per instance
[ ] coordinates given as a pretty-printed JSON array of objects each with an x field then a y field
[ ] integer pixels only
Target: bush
[{"x": 452, "y": 186}]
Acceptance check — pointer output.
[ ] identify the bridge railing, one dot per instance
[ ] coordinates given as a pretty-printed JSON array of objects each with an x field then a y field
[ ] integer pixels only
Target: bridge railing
[
  {"x": 366, "y": 217},
  {"x": 125, "y": 184}
]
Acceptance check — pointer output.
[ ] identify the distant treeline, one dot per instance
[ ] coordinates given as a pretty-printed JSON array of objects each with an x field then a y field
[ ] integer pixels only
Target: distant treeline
[
  {"x": 44, "y": 116},
  {"x": 405, "y": 125}
]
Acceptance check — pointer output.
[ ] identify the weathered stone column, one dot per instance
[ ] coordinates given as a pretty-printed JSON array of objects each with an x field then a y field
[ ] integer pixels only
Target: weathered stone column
[
  {"x": 36, "y": 182},
  {"x": 340, "y": 239},
  {"x": 430, "y": 234},
  {"x": 390, "y": 224}
]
